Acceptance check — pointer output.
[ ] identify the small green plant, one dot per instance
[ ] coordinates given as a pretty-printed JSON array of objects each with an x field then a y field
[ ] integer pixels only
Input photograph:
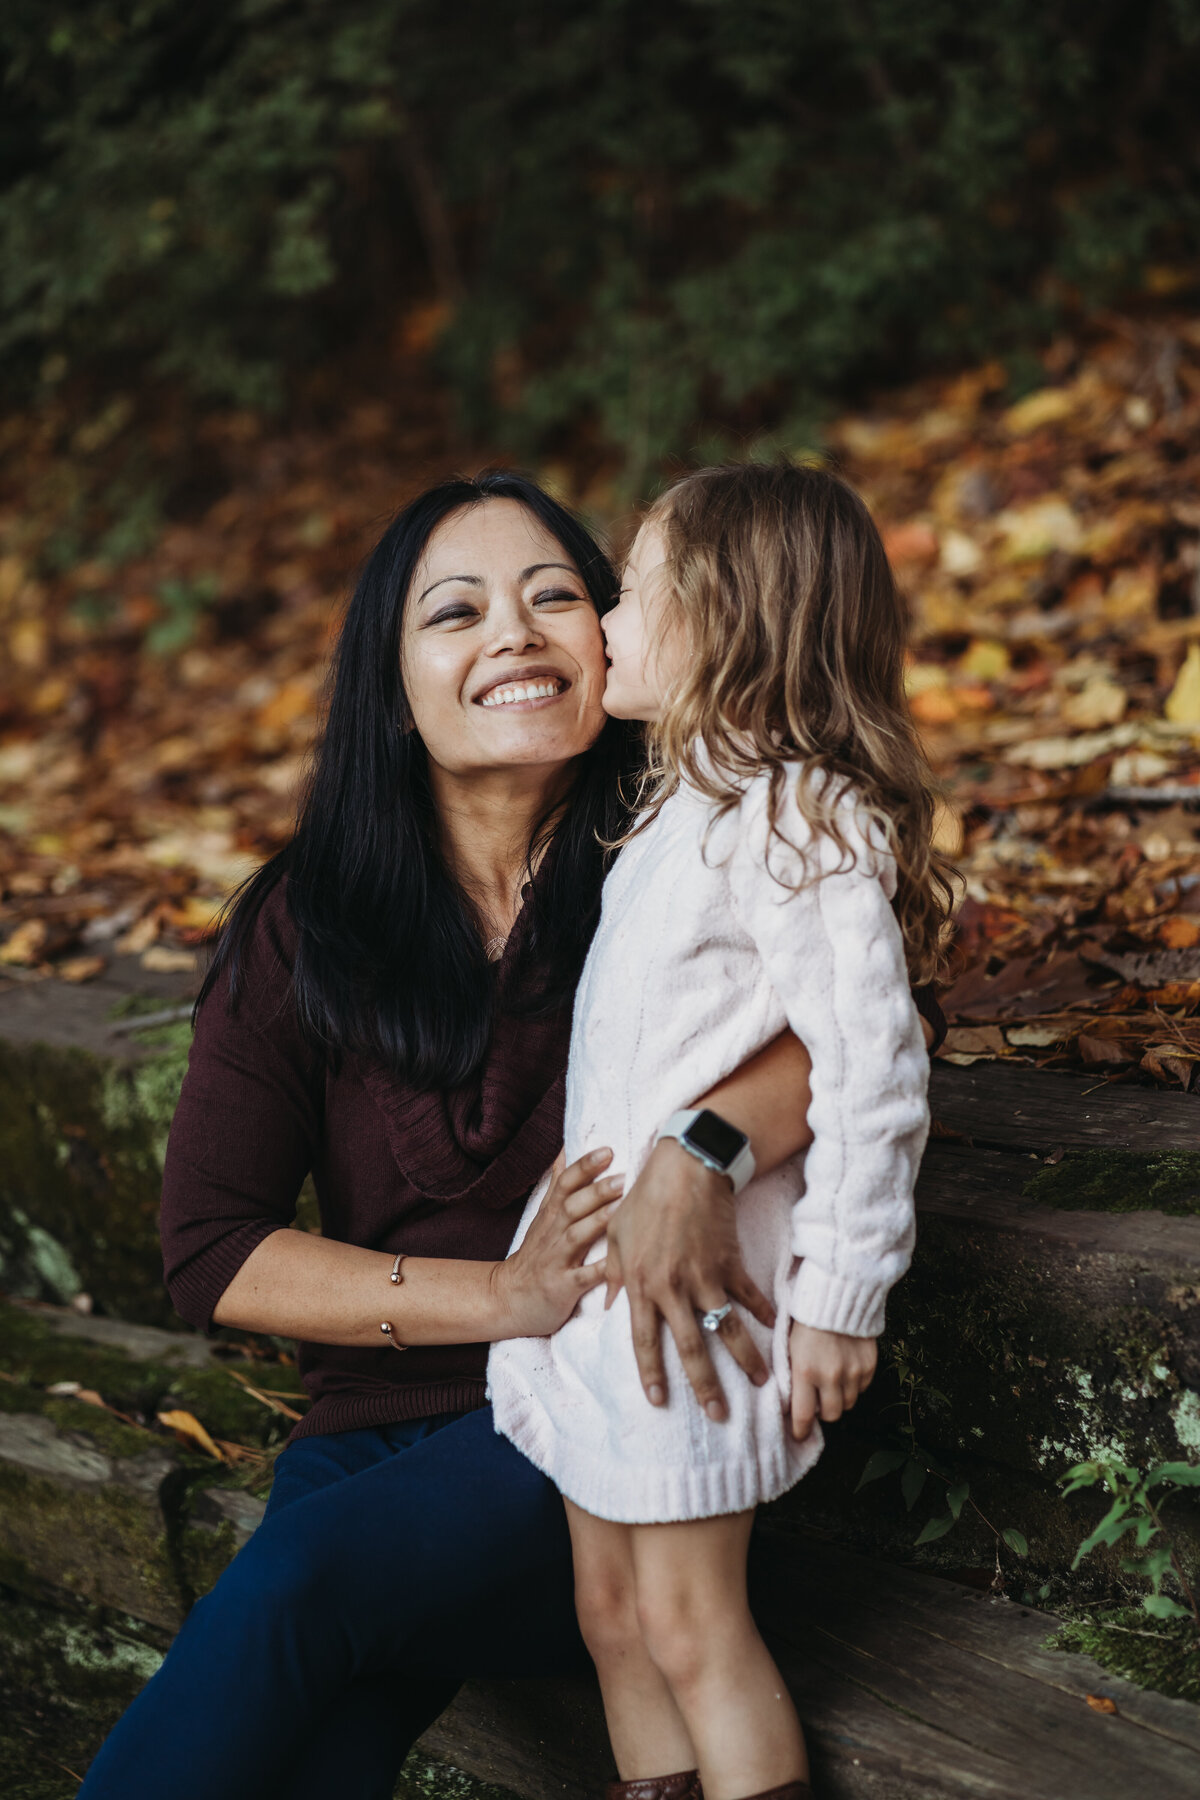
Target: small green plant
[
  {"x": 183, "y": 605},
  {"x": 916, "y": 1464},
  {"x": 1134, "y": 1509}
]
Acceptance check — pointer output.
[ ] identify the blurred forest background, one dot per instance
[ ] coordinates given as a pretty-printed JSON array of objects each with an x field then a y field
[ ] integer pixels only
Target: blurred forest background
[{"x": 267, "y": 266}]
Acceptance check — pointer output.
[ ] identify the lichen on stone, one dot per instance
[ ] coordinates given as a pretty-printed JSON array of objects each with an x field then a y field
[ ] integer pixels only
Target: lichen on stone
[
  {"x": 1120, "y": 1181},
  {"x": 1159, "y": 1654}
]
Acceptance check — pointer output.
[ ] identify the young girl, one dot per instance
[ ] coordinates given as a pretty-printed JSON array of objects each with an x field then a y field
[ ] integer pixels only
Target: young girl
[{"x": 780, "y": 873}]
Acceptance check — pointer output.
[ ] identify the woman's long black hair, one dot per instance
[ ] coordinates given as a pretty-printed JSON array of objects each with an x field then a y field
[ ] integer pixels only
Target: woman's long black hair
[{"x": 389, "y": 961}]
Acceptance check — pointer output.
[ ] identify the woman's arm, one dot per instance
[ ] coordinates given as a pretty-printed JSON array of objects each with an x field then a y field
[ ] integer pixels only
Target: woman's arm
[
  {"x": 326, "y": 1292},
  {"x": 673, "y": 1242},
  {"x": 244, "y": 1136}
]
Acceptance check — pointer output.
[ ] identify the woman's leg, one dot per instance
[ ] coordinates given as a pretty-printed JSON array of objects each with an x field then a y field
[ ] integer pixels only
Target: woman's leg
[
  {"x": 645, "y": 1727},
  {"x": 360, "y": 1741},
  {"x": 446, "y": 1559},
  {"x": 695, "y": 1621}
]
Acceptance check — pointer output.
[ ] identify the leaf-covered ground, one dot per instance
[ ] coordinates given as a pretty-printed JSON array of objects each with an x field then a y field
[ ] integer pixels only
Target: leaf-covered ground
[{"x": 166, "y": 614}]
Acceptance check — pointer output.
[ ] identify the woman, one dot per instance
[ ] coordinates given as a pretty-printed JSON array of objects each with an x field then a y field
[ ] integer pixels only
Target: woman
[{"x": 389, "y": 1008}]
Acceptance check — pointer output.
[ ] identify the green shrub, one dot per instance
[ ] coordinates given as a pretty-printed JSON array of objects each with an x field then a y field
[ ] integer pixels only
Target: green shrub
[{"x": 634, "y": 218}]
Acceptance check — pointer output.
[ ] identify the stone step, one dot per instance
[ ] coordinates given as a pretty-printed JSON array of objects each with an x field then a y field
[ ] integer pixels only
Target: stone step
[
  {"x": 1032, "y": 1333},
  {"x": 96, "y": 1509}
]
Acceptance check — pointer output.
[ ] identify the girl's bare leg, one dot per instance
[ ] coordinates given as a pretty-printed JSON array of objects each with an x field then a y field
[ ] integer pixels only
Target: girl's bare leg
[
  {"x": 690, "y": 1581},
  {"x": 648, "y": 1734}
]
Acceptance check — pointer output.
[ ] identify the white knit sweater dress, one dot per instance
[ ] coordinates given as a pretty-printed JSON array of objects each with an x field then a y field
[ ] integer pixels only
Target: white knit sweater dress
[{"x": 700, "y": 958}]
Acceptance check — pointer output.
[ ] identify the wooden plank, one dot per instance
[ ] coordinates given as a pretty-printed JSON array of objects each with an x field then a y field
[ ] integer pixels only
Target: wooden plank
[
  {"x": 1042, "y": 1109},
  {"x": 910, "y": 1688},
  {"x": 982, "y": 1187}
]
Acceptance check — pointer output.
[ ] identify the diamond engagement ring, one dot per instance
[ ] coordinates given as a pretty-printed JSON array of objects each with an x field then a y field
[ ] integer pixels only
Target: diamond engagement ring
[{"x": 714, "y": 1319}]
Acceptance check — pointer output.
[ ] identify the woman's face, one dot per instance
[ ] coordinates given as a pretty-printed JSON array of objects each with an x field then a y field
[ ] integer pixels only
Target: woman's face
[
  {"x": 501, "y": 651},
  {"x": 646, "y": 649}
]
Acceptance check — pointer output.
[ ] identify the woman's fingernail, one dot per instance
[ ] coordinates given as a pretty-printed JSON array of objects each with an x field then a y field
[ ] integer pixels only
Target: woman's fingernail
[
  {"x": 715, "y": 1410},
  {"x": 655, "y": 1395}
]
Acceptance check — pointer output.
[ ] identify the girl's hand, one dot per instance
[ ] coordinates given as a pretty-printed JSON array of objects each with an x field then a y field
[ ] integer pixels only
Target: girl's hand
[
  {"x": 538, "y": 1286},
  {"x": 674, "y": 1246},
  {"x": 829, "y": 1372}
]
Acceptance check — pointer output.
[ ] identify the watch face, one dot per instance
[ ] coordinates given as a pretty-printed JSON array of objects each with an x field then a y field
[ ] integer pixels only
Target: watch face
[{"x": 711, "y": 1135}]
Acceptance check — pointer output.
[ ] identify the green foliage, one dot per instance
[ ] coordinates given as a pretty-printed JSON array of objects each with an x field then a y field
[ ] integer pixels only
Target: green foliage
[
  {"x": 1135, "y": 1511},
  {"x": 915, "y": 1463},
  {"x": 183, "y": 606},
  {"x": 634, "y": 219}
]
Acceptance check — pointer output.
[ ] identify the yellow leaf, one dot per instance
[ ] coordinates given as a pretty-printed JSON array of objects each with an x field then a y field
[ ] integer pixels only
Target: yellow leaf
[
  {"x": 188, "y": 1429},
  {"x": 1100, "y": 701},
  {"x": 24, "y": 947},
  {"x": 1045, "y": 407},
  {"x": 985, "y": 659},
  {"x": 1183, "y": 702}
]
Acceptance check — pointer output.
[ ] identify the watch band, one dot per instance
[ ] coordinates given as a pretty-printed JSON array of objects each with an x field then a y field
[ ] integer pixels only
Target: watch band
[{"x": 740, "y": 1169}]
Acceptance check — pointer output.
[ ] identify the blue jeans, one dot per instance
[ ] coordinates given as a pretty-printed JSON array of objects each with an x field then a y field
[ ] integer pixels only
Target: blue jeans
[{"x": 392, "y": 1564}]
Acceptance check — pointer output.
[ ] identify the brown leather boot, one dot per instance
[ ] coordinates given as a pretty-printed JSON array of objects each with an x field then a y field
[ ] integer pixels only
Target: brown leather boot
[{"x": 684, "y": 1786}]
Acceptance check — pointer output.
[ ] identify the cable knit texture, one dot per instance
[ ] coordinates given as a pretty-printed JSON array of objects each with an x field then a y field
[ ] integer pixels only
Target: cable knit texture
[{"x": 714, "y": 936}]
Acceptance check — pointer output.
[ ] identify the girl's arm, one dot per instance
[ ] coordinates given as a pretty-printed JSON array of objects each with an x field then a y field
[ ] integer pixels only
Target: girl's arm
[{"x": 833, "y": 952}]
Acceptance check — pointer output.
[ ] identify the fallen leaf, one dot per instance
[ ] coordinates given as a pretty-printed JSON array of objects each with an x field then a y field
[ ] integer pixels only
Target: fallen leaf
[
  {"x": 1101, "y": 1703},
  {"x": 25, "y": 946},
  {"x": 161, "y": 960},
  {"x": 1035, "y": 530},
  {"x": 1183, "y": 702},
  {"x": 1035, "y": 1037},
  {"x": 80, "y": 968},
  {"x": 1071, "y": 753},
  {"x": 912, "y": 544},
  {"x": 1099, "y": 702},
  {"x": 934, "y": 706},
  {"x": 1178, "y": 932},
  {"x": 189, "y": 1430},
  {"x": 983, "y": 1040},
  {"x": 1168, "y": 1063},
  {"x": 1103, "y": 1052},
  {"x": 139, "y": 937},
  {"x": 1046, "y": 406}
]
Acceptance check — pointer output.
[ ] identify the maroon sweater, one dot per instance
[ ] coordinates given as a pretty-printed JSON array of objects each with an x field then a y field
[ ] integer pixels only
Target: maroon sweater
[{"x": 432, "y": 1174}]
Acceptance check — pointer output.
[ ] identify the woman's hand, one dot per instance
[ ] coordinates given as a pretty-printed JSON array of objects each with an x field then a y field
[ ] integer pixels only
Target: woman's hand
[
  {"x": 829, "y": 1372},
  {"x": 538, "y": 1286},
  {"x": 673, "y": 1244}
]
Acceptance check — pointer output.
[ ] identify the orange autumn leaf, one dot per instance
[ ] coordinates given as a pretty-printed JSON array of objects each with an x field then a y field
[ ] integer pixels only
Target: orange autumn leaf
[
  {"x": 189, "y": 1430},
  {"x": 1101, "y": 1703}
]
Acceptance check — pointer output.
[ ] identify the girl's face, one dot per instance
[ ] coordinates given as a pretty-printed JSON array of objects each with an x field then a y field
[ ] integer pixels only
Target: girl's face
[
  {"x": 646, "y": 646},
  {"x": 501, "y": 652}
]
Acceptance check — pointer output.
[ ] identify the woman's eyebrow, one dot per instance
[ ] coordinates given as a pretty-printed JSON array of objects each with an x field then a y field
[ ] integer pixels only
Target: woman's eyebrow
[
  {"x": 535, "y": 568},
  {"x": 470, "y": 580}
]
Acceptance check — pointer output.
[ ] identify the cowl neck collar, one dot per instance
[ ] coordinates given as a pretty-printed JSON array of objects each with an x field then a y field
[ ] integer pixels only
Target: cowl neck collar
[{"x": 492, "y": 1138}]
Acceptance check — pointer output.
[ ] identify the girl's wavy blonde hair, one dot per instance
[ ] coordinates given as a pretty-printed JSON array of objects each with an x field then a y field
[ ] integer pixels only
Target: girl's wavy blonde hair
[{"x": 795, "y": 637}]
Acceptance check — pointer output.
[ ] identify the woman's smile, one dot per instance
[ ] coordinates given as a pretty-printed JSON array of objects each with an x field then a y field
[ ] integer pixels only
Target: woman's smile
[{"x": 524, "y": 689}]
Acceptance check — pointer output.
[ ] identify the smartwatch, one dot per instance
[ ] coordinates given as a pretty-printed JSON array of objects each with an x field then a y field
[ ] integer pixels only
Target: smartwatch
[{"x": 713, "y": 1141}]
